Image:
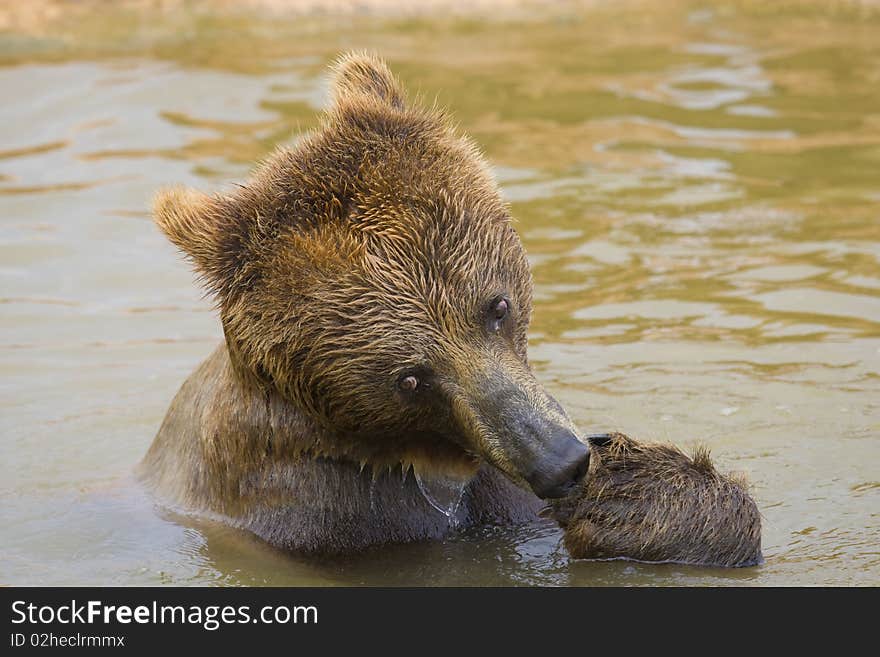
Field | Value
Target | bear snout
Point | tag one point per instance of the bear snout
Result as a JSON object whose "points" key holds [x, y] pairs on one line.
{"points": [[561, 466]]}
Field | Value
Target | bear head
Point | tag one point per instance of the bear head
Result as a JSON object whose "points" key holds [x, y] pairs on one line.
{"points": [[371, 277]]}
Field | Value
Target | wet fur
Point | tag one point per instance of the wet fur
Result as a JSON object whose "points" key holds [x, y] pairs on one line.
{"points": [[652, 502], [282, 491]]}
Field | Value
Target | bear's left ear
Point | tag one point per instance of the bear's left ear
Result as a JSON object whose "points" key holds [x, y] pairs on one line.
{"points": [[361, 74]]}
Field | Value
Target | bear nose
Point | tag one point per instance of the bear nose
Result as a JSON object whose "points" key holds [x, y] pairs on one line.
{"points": [[566, 460]]}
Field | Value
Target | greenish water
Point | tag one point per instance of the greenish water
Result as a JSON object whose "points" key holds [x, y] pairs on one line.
{"points": [[698, 189]]}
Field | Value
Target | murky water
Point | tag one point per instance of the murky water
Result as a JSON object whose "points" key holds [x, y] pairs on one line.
{"points": [[698, 189]]}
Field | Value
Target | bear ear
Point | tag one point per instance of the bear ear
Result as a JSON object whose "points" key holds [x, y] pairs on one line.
{"points": [[199, 226], [361, 74]]}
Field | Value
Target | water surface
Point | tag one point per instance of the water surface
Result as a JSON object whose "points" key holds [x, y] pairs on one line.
{"points": [[698, 189]]}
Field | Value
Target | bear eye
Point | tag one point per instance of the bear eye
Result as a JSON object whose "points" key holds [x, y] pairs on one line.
{"points": [[415, 380], [498, 311], [408, 383]]}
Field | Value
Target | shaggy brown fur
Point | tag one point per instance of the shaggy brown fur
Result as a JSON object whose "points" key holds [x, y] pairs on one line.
{"points": [[651, 502], [371, 250]]}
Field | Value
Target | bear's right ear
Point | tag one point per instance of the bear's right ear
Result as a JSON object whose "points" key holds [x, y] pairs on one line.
{"points": [[201, 227], [363, 75]]}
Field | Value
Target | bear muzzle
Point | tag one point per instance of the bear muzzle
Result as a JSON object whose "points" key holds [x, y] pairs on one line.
{"points": [[560, 463], [520, 429]]}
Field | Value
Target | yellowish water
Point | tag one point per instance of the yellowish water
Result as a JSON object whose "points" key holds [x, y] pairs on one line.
{"points": [[698, 188]]}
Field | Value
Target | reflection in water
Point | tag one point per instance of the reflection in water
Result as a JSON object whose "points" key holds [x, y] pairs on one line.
{"points": [[700, 209]]}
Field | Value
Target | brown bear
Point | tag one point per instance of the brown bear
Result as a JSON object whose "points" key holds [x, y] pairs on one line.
{"points": [[651, 502], [373, 385]]}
